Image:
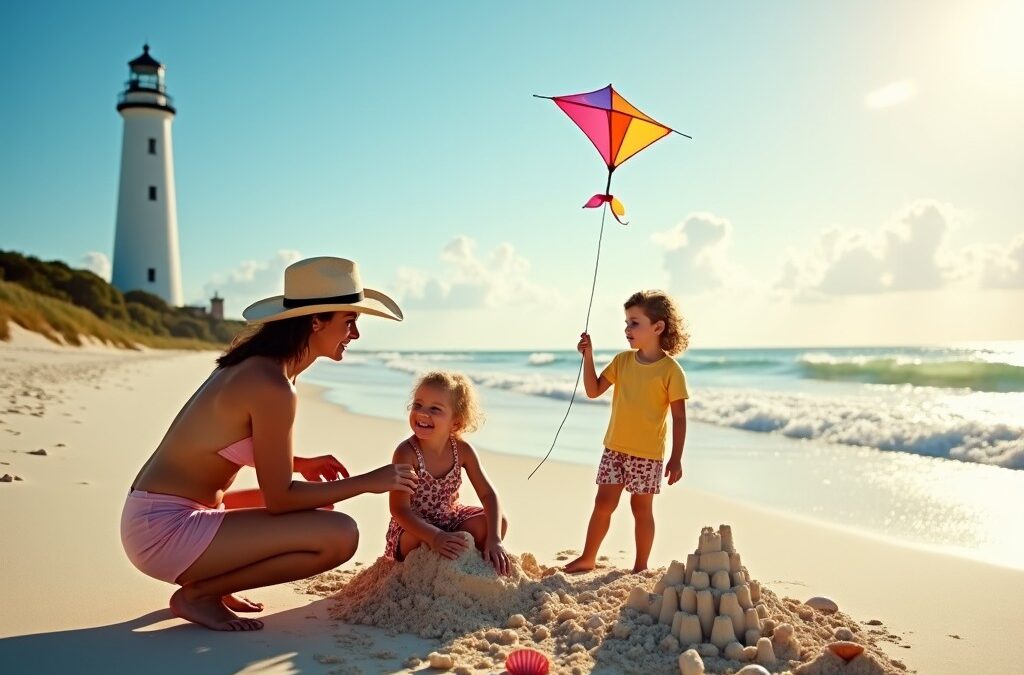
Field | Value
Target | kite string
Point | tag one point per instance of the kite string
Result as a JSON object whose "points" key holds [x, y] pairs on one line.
{"points": [[586, 328]]}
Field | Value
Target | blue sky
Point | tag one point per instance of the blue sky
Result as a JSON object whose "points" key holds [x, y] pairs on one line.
{"points": [[854, 174]]}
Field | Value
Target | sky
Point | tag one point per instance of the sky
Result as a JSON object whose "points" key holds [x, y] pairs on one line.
{"points": [[853, 178]]}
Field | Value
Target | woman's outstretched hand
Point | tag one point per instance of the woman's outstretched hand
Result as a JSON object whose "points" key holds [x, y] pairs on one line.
{"points": [[495, 554], [448, 544], [391, 478], [324, 467]]}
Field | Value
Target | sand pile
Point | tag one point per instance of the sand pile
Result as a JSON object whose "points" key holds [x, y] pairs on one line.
{"points": [[604, 621]]}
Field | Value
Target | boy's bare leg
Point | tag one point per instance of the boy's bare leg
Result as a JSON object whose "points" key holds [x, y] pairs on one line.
{"points": [[643, 514], [604, 505]]}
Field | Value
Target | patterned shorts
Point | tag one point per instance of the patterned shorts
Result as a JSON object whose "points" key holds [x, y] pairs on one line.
{"points": [[641, 476]]}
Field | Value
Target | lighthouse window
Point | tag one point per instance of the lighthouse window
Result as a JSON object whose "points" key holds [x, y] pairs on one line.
{"points": [[152, 146], [152, 193], [151, 275]]}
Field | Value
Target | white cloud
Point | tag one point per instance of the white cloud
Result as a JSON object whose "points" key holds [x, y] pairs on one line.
{"points": [[998, 266], [97, 263], [911, 252], [468, 280], [250, 281], [697, 253], [892, 94]]}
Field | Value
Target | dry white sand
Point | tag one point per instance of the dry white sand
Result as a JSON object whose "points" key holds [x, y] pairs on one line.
{"points": [[70, 601]]}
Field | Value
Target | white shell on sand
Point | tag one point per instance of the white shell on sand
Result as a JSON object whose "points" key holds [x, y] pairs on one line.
{"points": [[690, 663], [700, 580], [721, 580], [823, 604], [765, 653], [669, 606], [688, 600], [722, 632], [440, 661], [706, 611], [752, 669], [689, 630], [734, 651]]}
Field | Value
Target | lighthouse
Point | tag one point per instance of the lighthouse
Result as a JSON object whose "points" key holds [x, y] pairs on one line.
{"points": [[146, 238]]}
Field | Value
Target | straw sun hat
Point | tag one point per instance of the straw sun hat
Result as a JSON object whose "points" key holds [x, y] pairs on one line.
{"points": [[322, 284]]}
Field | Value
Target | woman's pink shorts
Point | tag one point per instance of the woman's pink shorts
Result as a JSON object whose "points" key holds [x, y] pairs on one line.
{"points": [[163, 534]]}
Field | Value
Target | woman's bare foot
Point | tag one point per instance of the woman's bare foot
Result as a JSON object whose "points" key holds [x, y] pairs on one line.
{"points": [[637, 569], [580, 564], [208, 611], [241, 604]]}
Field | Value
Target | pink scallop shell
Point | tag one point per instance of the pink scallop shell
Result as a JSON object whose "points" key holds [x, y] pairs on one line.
{"points": [[847, 651], [526, 662]]}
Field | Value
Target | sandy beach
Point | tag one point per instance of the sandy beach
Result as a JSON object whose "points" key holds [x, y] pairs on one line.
{"points": [[71, 602]]}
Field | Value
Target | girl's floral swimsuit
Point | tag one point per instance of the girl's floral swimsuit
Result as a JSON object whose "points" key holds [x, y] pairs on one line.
{"points": [[436, 500]]}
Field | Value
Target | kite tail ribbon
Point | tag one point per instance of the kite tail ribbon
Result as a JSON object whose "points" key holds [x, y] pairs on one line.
{"points": [[617, 208]]}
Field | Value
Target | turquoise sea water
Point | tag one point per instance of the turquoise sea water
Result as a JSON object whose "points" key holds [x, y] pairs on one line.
{"points": [[924, 445]]}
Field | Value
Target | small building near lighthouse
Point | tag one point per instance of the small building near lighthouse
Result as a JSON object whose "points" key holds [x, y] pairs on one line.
{"points": [[146, 240]]}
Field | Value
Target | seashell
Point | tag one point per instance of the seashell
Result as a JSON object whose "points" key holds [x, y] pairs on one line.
{"points": [[752, 669], [847, 651], [527, 662], [823, 604]]}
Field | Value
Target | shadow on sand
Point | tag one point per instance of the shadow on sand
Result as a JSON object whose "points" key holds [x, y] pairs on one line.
{"points": [[301, 640]]}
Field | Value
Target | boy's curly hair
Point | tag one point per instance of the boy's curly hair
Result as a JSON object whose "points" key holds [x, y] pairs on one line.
{"points": [[658, 306], [465, 404]]}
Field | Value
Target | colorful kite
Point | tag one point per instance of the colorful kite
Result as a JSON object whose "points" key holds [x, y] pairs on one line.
{"points": [[616, 128]]}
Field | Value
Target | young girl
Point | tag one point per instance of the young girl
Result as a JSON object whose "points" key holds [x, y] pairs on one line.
{"points": [[444, 407], [648, 383]]}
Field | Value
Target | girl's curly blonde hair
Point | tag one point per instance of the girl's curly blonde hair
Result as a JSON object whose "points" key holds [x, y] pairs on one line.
{"points": [[466, 409], [658, 306]]}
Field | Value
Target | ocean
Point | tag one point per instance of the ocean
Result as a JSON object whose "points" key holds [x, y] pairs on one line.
{"points": [[924, 445]]}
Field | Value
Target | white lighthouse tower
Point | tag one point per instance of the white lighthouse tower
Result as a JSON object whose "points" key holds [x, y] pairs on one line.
{"points": [[146, 241]]}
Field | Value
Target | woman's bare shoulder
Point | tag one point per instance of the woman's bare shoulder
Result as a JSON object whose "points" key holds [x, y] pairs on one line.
{"points": [[260, 376]]}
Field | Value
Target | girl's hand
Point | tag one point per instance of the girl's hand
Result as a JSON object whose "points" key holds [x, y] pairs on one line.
{"points": [[584, 346], [325, 467], [448, 544], [391, 478], [674, 471], [495, 554]]}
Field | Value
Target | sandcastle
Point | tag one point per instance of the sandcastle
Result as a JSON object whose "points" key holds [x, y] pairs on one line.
{"points": [[714, 608]]}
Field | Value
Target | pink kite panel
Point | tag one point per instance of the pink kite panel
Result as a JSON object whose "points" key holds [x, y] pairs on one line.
{"points": [[594, 123]]}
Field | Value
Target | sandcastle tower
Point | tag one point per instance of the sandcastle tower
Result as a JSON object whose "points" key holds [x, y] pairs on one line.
{"points": [[146, 239], [713, 606]]}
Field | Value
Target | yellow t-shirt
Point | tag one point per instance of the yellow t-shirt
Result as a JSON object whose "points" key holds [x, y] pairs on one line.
{"points": [[640, 403]]}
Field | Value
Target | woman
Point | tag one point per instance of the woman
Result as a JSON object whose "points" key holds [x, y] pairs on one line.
{"points": [[180, 524]]}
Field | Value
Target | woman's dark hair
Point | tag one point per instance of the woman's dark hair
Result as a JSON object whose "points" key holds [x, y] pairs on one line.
{"points": [[282, 340]]}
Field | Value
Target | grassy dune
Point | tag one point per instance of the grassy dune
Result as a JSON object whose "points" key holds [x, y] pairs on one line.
{"points": [[64, 323]]}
